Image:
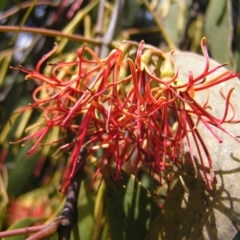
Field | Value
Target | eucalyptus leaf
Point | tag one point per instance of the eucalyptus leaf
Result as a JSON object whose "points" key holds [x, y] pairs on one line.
{"points": [[21, 174], [3, 3], [218, 27], [201, 214], [130, 9], [237, 236], [170, 21], [130, 208], [85, 211]]}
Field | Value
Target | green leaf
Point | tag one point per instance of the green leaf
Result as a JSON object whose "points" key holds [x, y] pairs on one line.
{"points": [[219, 30], [174, 18], [236, 50], [237, 236], [85, 211], [130, 9], [22, 173], [130, 208], [170, 23], [3, 3]]}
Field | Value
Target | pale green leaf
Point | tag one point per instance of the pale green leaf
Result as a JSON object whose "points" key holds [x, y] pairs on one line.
{"points": [[219, 31], [130, 209]]}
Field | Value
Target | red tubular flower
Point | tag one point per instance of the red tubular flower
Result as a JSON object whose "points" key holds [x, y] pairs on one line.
{"points": [[138, 113]]}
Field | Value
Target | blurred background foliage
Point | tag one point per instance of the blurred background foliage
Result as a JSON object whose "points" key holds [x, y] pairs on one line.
{"points": [[29, 184]]}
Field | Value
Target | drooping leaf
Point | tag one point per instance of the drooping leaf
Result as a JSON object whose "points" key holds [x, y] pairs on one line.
{"points": [[237, 236], [130, 209], [85, 211], [170, 21], [22, 173], [218, 27]]}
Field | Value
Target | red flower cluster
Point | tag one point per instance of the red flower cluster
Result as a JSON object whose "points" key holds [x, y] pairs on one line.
{"points": [[129, 109], [26, 207]]}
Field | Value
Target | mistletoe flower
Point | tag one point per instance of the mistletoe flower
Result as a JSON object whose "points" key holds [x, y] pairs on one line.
{"points": [[130, 110]]}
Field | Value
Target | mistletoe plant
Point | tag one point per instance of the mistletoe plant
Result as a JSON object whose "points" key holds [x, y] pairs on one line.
{"points": [[126, 112], [129, 110]]}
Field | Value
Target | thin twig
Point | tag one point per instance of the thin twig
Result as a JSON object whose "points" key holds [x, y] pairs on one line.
{"points": [[99, 24], [49, 32], [24, 5], [48, 230], [22, 231], [160, 25], [100, 17], [25, 17], [111, 31]]}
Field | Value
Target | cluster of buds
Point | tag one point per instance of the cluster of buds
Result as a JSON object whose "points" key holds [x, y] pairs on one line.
{"points": [[130, 110]]}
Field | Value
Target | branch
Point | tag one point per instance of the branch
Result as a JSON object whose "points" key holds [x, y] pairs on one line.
{"points": [[22, 231], [50, 32], [110, 33], [47, 231], [69, 213], [20, 6]]}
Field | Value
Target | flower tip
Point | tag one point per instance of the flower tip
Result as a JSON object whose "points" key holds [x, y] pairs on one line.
{"points": [[15, 68], [51, 64], [30, 151], [61, 190], [203, 41], [225, 64]]}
